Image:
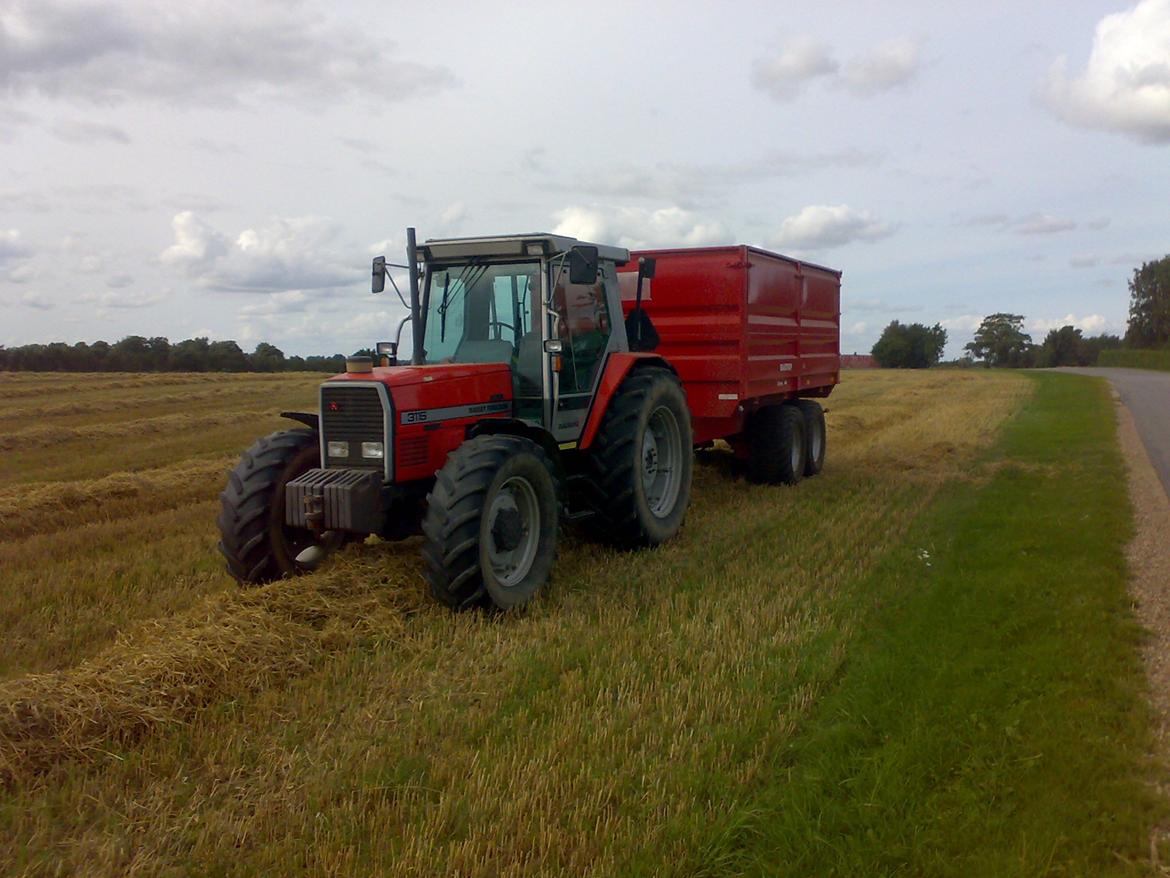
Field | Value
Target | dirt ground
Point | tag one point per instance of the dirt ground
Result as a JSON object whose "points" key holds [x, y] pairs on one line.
{"points": [[1149, 560]]}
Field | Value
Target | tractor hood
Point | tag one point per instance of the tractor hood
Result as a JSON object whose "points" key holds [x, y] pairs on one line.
{"points": [[424, 389], [405, 376]]}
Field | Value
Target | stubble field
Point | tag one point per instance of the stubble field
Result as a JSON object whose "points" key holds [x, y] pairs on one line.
{"points": [[157, 719]]}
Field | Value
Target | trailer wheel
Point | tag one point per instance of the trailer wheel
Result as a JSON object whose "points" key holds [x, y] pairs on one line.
{"points": [[776, 445], [491, 524], [258, 546], [642, 460], [815, 435]]}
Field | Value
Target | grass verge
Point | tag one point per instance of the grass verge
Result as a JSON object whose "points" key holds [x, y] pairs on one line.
{"points": [[990, 717]]}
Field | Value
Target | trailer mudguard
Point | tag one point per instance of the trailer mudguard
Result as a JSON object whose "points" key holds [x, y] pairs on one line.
{"points": [[617, 367]]}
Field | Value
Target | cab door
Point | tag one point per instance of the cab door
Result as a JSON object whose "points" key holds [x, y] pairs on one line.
{"points": [[584, 325]]}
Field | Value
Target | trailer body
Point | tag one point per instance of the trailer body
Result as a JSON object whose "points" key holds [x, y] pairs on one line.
{"points": [[743, 327]]}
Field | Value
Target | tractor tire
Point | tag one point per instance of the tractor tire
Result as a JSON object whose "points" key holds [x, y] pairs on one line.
{"points": [[254, 539], [776, 446], [642, 461], [814, 434], [490, 527]]}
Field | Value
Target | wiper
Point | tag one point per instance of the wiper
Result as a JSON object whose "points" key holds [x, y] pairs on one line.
{"points": [[467, 281]]}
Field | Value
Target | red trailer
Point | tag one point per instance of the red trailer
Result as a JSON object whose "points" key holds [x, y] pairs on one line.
{"points": [[742, 327], [549, 380]]}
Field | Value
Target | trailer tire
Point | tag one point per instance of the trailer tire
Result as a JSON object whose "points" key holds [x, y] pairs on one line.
{"points": [[815, 435], [776, 445], [490, 526], [254, 539], [640, 502]]}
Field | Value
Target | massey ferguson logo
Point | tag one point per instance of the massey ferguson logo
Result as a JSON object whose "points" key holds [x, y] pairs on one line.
{"points": [[334, 406]]}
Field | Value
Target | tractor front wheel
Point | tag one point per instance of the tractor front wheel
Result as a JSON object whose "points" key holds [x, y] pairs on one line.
{"points": [[642, 460], [258, 546], [491, 524]]}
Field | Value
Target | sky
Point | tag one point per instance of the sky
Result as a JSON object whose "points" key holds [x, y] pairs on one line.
{"points": [[228, 169]]}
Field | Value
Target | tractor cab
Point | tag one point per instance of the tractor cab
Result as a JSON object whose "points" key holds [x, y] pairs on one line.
{"points": [[547, 306]]}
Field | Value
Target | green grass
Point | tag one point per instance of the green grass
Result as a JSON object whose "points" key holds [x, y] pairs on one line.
{"points": [[990, 719], [1140, 359]]}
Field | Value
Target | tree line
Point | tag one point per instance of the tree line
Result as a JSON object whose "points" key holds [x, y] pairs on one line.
{"points": [[1001, 340], [136, 353]]}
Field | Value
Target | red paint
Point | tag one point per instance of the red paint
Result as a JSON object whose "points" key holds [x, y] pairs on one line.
{"points": [[743, 327], [617, 366], [415, 388]]}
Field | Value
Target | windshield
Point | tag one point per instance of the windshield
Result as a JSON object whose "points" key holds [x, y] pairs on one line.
{"points": [[481, 313]]}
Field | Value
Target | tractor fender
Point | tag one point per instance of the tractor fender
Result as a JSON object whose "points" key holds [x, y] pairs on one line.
{"points": [[617, 367], [514, 427], [310, 420]]}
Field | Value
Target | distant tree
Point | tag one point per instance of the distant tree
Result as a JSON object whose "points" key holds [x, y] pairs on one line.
{"points": [[267, 358], [189, 355], [1063, 347], [1149, 305], [226, 356], [910, 346], [1094, 344], [1000, 340]]}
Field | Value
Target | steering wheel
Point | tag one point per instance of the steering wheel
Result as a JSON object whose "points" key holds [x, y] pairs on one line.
{"points": [[492, 323]]}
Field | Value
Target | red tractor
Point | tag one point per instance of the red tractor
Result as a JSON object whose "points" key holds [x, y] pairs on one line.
{"points": [[549, 380]]}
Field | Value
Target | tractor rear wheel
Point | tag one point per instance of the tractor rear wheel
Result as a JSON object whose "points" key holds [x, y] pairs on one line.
{"points": [[491, 524], [815, 435], [776, 445], [258, 546], [642, 460]]}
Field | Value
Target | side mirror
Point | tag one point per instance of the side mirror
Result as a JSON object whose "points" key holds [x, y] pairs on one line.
{"points": [[378, 281], [583, 265], [646, 267]]}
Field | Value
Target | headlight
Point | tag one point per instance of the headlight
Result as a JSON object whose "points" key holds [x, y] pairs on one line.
{"points": [[372, 450], [337, 449]]}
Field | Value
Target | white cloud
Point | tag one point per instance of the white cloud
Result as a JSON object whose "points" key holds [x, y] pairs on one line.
{"points": [[12, 246], [1088, 324], [22, 273], [284, 254], [887, 66], [1044, 224], [211, 52], [1083, 261], [111, 299], [37, 300], [962, 323], [821, 226], [638, 228], [796, 62], [1125, 86], [83, 132]]}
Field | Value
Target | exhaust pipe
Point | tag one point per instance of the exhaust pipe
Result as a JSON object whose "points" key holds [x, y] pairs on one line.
{"points": [[416, 355]]}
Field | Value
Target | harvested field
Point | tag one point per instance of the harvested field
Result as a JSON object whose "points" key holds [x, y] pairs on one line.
{"points": [[155, 718]]}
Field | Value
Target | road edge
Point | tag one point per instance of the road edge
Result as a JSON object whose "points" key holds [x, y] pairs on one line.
{"points": [[1148, 556]]}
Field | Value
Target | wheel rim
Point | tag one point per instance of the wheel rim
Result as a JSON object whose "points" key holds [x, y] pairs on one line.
{"points": [[661, 461], [816, 440], [798, 452], [513, 531]]}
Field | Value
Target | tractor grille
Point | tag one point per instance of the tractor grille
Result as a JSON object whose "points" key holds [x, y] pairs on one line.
{"points": [[354, 415]]}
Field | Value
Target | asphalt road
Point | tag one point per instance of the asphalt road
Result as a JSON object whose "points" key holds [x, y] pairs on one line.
{"points": [[1147, 396]]}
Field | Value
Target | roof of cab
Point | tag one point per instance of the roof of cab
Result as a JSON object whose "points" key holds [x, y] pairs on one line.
{"points": [[514, 245]]}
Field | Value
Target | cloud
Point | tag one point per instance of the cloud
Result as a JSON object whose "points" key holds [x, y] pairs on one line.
{"points": [[1044, 224], [111, 299], [887, 66], [37, 300], [209, 52], [799, 61], [639, 228], [1090, 323], [821, 226], [1083, 261], [284, 254], [117, 281], [81, 131], [783, 74], [1125, 86], [12, 246], [962, 323]]}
